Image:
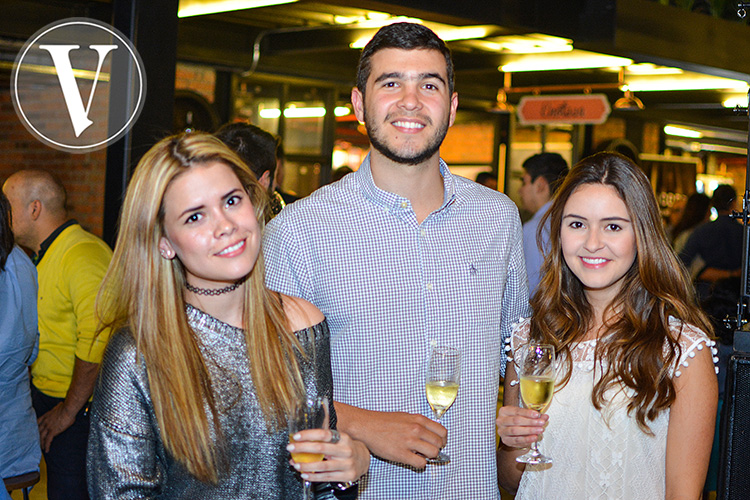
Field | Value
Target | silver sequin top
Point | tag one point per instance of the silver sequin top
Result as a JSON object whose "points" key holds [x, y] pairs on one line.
{"points": [[126, 456]]}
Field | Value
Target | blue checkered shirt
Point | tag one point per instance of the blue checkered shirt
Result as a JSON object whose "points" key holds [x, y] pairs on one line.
{"points": [[390, 287]]}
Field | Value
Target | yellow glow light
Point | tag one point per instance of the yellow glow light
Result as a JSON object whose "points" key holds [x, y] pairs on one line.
{"points": [[465, 33], [682, 132], [270, 113], [720, 148], [189, 8], [447, 34], [533, 43], [348, 19], [563, 61], [650, 69], [734, 101], [307, 112], [51, 70], [703, 82]]}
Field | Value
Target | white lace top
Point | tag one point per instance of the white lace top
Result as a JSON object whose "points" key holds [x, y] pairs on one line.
{"points": [[592, 459]]}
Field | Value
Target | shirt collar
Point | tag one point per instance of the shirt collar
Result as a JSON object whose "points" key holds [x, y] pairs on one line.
{"points": [[51, 238], [542, 210], [394, 202]]}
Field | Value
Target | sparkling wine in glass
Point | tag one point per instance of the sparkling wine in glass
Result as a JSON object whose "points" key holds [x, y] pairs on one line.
{"points": [[443, 374], [311, 413], [536, 370]]}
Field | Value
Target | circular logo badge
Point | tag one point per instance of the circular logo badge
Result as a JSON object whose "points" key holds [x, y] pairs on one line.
{"points": [[78, 84]]}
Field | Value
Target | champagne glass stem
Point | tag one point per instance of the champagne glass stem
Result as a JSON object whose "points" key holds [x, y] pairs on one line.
{"points": [[535, 448], [307, 491], [442, 457]]}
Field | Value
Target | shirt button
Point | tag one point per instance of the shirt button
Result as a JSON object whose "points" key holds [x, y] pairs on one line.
{"points": [[404, 204], [423, 232], [429, 287]]}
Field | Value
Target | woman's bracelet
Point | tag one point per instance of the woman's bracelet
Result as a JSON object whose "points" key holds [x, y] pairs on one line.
{"points": [[346, 485]]}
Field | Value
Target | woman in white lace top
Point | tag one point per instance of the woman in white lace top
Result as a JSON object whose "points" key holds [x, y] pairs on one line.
{"points": [[635, 398]]}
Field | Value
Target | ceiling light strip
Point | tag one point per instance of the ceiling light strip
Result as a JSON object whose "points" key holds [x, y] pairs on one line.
{"points": [[190, 8], [558, 63], [682, 132]]}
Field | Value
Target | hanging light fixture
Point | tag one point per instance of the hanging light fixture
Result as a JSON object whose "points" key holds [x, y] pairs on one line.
{"points": [[502, 105], [628, 102]]}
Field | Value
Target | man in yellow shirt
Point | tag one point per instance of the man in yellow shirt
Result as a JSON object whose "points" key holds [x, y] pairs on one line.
{"points": [[71, 264]]}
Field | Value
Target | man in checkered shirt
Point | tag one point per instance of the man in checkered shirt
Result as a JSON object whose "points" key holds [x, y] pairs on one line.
{"points": [[401, 255]]}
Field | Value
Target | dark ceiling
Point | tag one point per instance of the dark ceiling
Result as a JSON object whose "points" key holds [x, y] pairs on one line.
{"points": [[301, 42]]}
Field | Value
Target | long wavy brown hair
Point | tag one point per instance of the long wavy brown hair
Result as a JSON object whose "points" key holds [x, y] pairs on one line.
{"points": [[144, 292], [631, 350]]}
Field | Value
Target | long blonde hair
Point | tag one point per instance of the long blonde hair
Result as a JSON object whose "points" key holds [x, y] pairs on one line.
{"points": [[654, 288], [144, 292]]}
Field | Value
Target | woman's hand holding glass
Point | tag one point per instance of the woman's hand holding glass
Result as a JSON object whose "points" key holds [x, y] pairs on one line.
{"points": [[321, 454], [345, 460], [520, 427]]}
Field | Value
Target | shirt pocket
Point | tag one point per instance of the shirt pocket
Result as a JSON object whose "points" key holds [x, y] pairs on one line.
{"points": [[484, 283]]}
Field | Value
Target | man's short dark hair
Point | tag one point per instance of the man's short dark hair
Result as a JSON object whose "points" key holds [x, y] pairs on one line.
{"points": [[407, 36], [483, 177], [253, 145], [723, 198], [551, 166]]}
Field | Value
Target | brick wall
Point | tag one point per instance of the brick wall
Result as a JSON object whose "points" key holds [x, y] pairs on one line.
{"points": [[199, 79], [81, 174]]}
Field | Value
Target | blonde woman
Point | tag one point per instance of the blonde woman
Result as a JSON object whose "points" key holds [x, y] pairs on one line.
{"points": [[196, 386]]}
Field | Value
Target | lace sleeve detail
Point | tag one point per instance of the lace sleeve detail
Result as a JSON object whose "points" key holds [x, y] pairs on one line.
{"points": [[519, 336], [692, 340]]}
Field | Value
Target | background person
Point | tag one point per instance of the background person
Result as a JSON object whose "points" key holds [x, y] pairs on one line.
{"points": [[257, 148], [542, 175], [278, 180], [673, 216], [71, 263], [340, 172], [635, 399], [697, 211], [19, 342], [487, 179], [400, 255], [718, 243], [207, 364]]}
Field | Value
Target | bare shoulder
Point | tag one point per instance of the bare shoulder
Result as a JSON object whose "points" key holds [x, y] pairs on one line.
{"points": [[300, 313]]}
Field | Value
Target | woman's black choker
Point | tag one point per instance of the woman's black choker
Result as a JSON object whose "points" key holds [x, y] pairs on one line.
{"points": [[213, 291]]}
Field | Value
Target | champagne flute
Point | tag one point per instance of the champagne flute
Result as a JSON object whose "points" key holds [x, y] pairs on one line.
{"points": [[536, 370], [441, 387], [311, 413]]}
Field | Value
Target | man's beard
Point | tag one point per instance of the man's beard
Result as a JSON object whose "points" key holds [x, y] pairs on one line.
{"points": [[412, 158]]}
